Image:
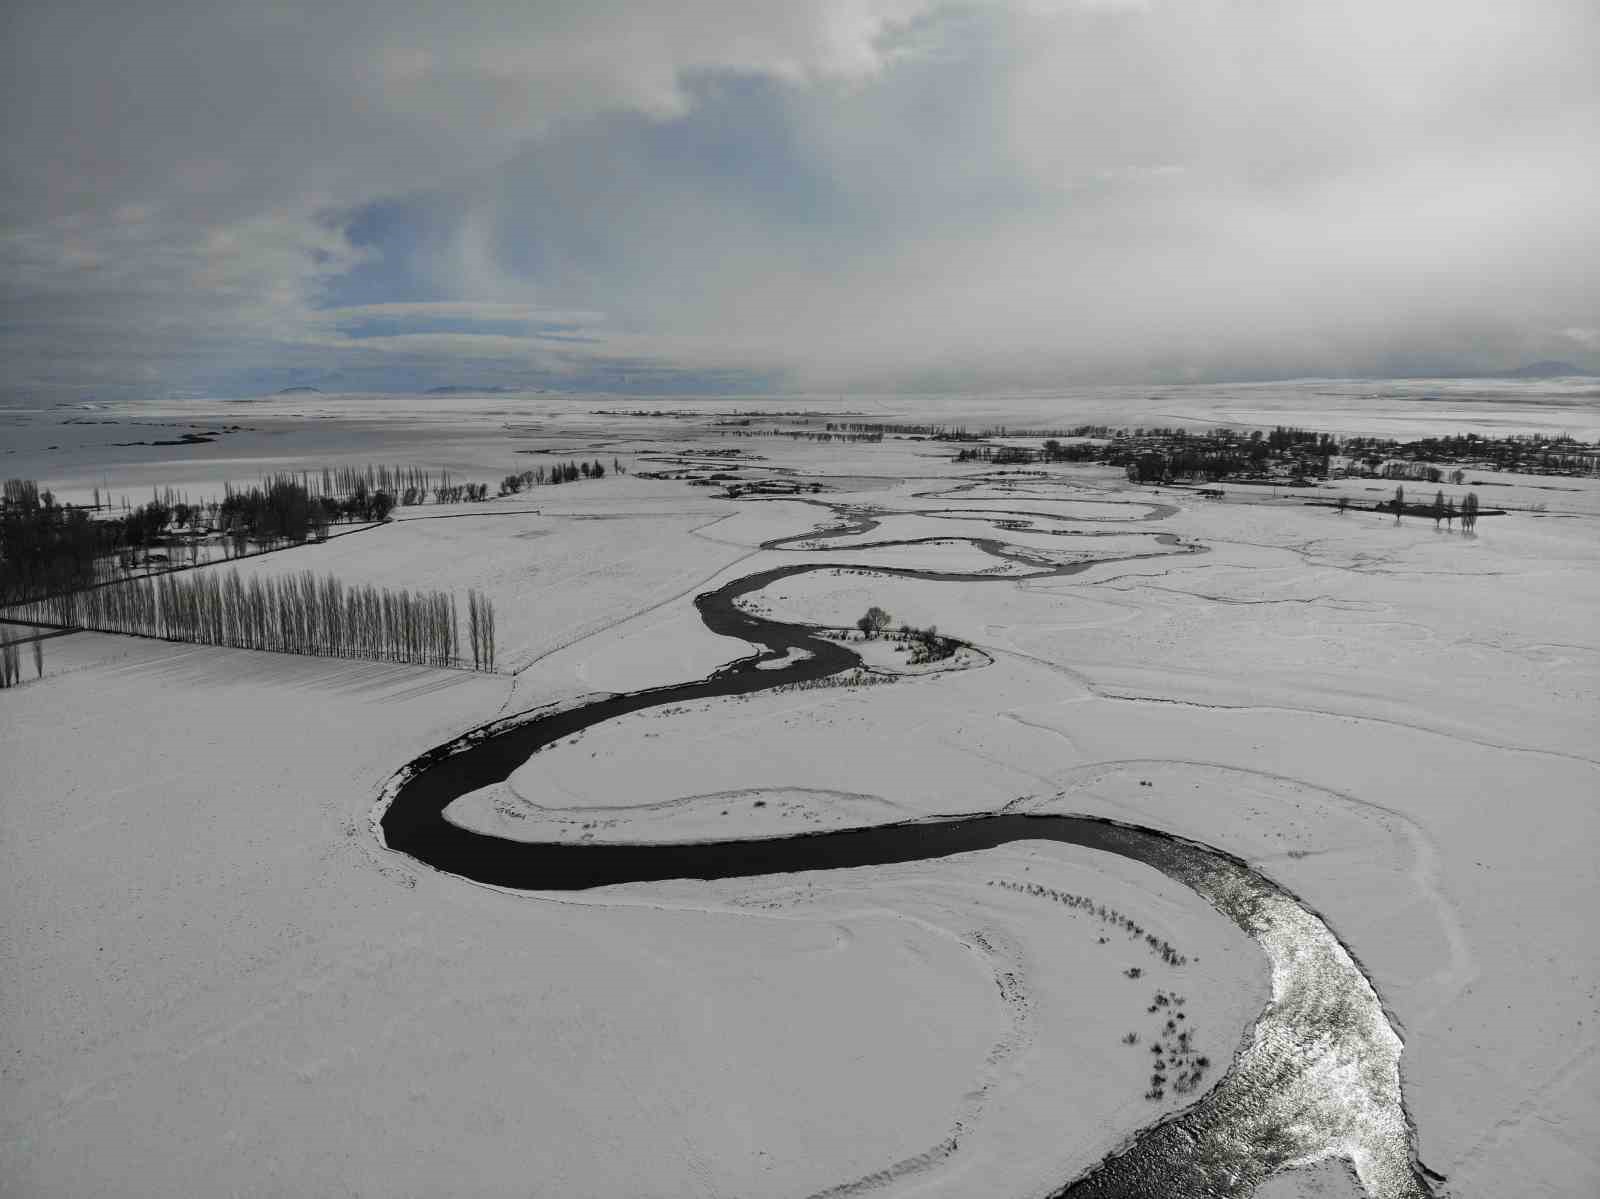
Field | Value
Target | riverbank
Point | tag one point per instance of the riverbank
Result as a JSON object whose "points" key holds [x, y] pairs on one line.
{"points": [[210, 946]]}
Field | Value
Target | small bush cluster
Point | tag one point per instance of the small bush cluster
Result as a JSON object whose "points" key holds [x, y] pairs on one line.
{"points": [[855, 678], [1175, 1061], [1176, 1065], [1157, 945], [925, 645]]}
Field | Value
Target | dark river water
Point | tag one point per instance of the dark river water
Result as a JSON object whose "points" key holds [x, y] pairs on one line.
{"points": [[1317, 1075]]}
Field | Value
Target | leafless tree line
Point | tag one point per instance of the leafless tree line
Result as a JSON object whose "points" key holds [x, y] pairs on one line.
{"points": [[295, 614], [480, 630], [407, 484], [351, 479], [11, 662]]}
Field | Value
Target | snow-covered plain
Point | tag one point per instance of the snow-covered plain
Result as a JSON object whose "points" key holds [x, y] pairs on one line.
{"points": [[216, 981]]}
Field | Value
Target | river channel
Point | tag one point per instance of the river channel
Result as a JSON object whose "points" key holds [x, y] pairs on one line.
{"points": [[1316, 1076]]}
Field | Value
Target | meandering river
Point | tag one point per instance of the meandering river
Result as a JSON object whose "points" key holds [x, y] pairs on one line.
{"points": [[1318, 1074]]}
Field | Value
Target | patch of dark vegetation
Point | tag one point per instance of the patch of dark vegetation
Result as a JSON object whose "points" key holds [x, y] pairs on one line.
{"points": [[47, 546], [186, 439], [852, 678], [924, 646], [568, 472], [1286, 455], [1175, 1063], [1083, 903], [770, 487], [690, 413], [805, 434]]}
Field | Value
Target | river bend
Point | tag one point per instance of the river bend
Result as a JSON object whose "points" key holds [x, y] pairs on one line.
{"points": [[1317, 1075]]}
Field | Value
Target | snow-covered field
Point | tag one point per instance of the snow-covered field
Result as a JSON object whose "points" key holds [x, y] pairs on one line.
{"points": [[216, 981]]}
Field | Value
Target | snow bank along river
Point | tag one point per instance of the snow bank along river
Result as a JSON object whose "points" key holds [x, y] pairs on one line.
{"points": [[1317, 1076]]}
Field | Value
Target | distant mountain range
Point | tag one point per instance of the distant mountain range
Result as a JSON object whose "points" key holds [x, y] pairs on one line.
{"points": [[452, 390], [1549, 370]]}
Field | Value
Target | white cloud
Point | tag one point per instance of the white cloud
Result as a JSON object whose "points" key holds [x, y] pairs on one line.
{"points": [[988, 190], [470, 310]]}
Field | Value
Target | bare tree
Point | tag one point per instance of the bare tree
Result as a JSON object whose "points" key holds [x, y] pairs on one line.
{"points": [[486, 621], [873, 622], [297, 614]]}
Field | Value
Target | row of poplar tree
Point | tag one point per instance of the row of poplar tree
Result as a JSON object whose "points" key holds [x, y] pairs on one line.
{"points": [[295, 614], [11, 662]]}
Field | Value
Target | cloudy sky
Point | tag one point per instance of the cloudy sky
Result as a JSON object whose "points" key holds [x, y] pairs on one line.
{"points": [[229, 197]]}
